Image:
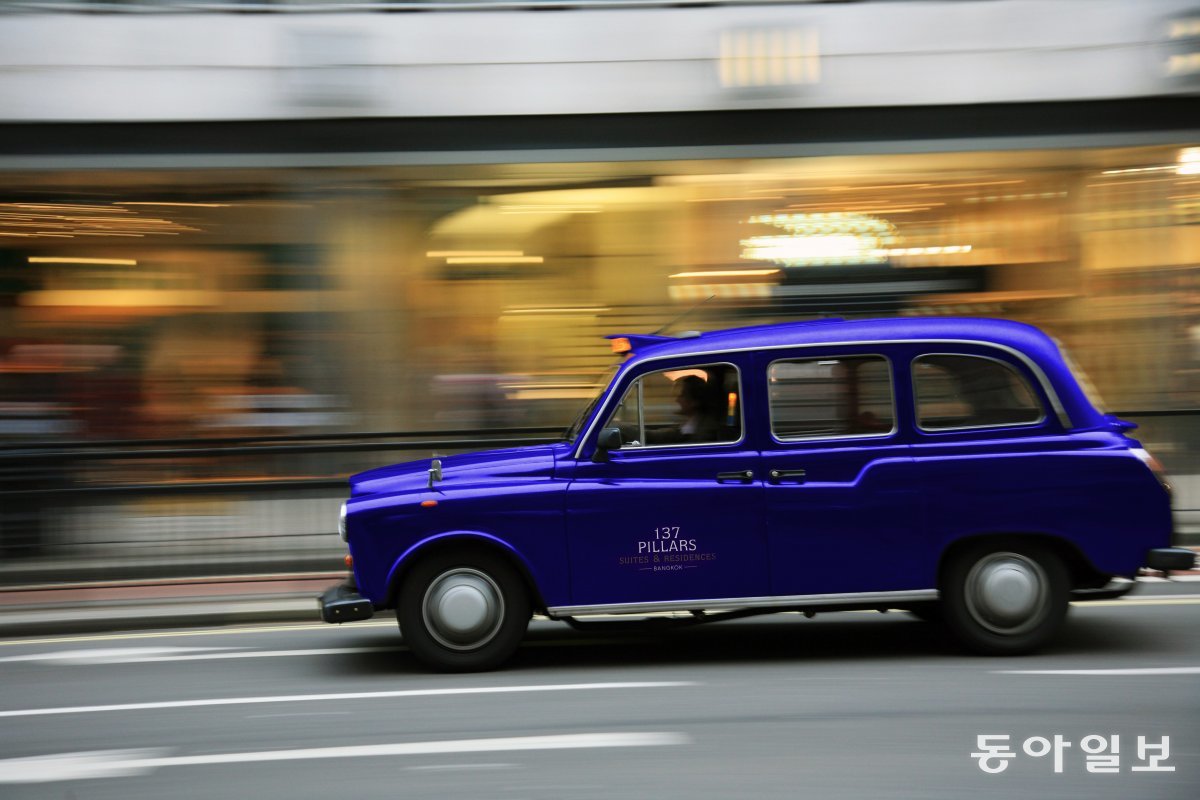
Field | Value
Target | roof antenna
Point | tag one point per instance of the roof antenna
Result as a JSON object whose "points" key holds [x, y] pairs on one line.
{"points": [[684, 314]]}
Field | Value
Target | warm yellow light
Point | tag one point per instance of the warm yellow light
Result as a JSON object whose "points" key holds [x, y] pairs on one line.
{"points": [[725, 273], [473, 253], [560, 310], [184, 205], [951, 249], [1185, 28], [122, 262], [1137, 170], [118, 298], [551, 394], [1189, 161], [552, 209], [66, 207], [495, 260], [704, 291], [621, 345], [675, 374]]}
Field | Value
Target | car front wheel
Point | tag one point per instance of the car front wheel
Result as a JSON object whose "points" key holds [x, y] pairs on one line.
{"points": [[463, 613], [1005, 600]]}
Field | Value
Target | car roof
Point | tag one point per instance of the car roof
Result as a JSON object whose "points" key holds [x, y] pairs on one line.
{"points": [[1024, 339], [831, 330]]}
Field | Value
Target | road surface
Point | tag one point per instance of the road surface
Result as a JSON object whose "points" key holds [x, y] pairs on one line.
{"points": [[849, 705]]}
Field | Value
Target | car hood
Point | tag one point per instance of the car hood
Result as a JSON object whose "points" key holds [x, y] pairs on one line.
{"points": [[511, 464]]}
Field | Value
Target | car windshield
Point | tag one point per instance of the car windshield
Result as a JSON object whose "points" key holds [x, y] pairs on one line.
{"points": [[602, 384]]}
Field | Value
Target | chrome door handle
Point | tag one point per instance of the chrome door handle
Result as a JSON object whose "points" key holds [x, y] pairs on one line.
{"points": [[779, 475], [743, 476]]}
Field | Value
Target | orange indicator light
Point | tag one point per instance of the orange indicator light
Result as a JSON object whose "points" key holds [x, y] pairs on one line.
{"points": [[349, 559], [428, 503]]}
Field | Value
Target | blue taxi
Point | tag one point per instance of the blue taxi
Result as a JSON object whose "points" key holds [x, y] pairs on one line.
{"points": [[953, 467]]}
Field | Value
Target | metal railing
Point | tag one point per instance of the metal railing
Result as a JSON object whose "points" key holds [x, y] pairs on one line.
{"points": [[169, 508], [180, 507]]}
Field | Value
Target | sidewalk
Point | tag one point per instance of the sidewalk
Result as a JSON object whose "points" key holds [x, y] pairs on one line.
{"points": [[107, 606], [169, 603]]}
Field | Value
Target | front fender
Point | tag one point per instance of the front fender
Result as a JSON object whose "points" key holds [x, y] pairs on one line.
{"points": [[456, 540]]}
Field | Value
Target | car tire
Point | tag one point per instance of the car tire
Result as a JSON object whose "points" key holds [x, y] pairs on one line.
{"points": [[1005, 599], [463, 612]]}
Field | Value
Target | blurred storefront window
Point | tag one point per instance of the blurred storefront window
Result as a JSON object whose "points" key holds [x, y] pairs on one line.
{"points": [[142, 304]]}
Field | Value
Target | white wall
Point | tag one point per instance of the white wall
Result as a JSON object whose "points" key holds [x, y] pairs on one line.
{"points": [[221, 66]]}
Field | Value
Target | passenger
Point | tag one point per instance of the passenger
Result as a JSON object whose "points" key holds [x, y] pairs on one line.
{"points": [[701, 423]]}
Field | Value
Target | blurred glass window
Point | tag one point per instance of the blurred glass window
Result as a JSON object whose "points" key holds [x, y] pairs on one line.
{"points": [[848, 396], [959, 391]]}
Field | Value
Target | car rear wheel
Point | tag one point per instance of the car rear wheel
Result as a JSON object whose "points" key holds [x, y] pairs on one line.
{"points": [[463, 613], [1005, 599]]}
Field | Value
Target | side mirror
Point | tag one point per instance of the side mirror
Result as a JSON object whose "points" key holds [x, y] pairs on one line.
{"points": [[609, 439]]}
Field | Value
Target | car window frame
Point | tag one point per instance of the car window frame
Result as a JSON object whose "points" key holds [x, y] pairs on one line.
{"points": [[766, 375], [585, 446], [637, 380], [1032, 385]]}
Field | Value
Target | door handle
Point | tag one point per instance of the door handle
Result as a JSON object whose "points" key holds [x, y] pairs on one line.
{"points": [[780, 475], [743, 476]]}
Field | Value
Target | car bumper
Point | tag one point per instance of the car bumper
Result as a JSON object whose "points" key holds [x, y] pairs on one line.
{"points": [[1167, 558], [343, 603]]}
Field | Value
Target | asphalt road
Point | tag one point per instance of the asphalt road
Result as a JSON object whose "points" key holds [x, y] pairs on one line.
{"points": [[850, 705]]}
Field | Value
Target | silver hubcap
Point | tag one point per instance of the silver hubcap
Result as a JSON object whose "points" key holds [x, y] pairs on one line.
{"points": [[1006, 593], [463, 609]]}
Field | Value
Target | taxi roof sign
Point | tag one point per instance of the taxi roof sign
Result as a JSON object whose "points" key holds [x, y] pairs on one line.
{"points": [[626, 343]]}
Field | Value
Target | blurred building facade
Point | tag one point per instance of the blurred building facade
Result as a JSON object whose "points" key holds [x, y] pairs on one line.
{"points": [[311, 219]]}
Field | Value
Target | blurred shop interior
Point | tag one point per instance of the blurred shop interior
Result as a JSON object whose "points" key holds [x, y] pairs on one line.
{"points": [[212, 303]]}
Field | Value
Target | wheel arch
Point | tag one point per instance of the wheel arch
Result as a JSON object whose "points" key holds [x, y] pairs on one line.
{"points": [[1081, 573], [461, 541]]}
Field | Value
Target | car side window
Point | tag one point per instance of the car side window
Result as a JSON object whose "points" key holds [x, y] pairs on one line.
{"points": [[842, 396], [682, 406], [962, 391]]}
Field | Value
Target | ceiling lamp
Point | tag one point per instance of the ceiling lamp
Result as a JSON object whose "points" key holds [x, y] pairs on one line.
{"points": [[821, 240]]}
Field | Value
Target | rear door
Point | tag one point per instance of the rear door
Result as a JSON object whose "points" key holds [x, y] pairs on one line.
{"points": [[842, 501]]}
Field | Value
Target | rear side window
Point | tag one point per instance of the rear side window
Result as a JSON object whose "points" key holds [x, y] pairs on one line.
{"points": [[960, 391], [844, 396]]}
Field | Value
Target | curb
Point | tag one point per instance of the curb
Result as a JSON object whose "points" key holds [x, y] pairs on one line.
{"points": [[159, 615]]}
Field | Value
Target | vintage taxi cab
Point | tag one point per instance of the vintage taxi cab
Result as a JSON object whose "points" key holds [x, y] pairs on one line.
{"points": [[953, 467]]}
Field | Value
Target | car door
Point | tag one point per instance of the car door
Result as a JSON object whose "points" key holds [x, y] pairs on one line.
{"points": [[992, 452], [674, 514], [842, 502]]}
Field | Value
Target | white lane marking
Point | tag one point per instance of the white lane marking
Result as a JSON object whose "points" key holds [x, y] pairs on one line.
{"points": [[148, 655], [124, 763], [1130, 602], [304, 698], [301, 714], [456, 767], [77, 766], [125, 655], [1130, 671]]}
